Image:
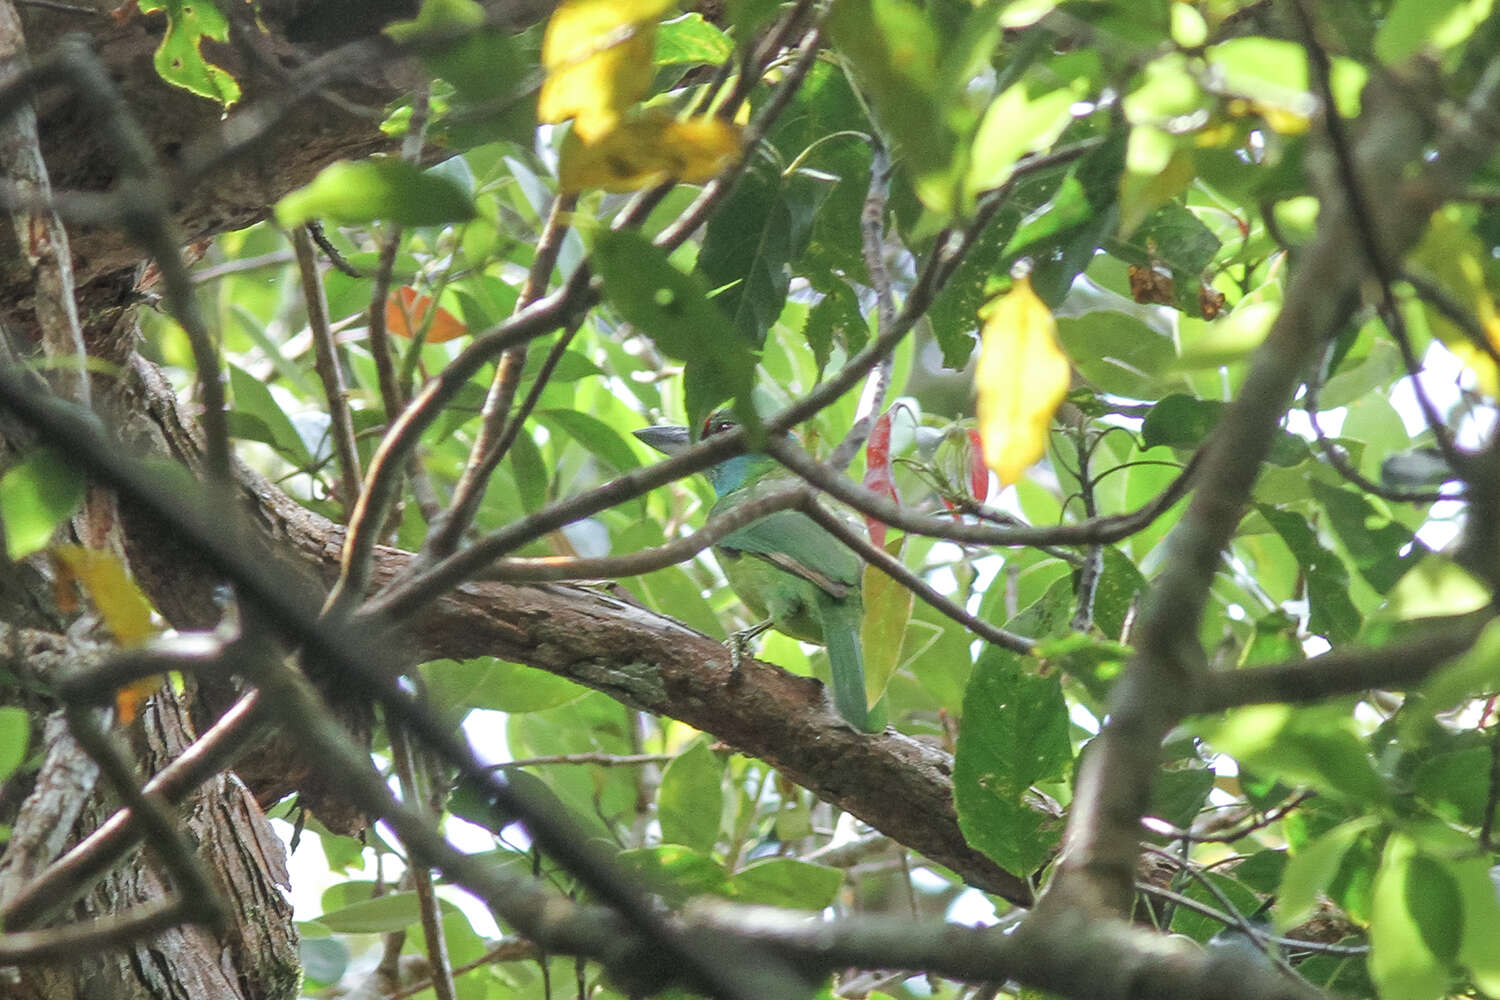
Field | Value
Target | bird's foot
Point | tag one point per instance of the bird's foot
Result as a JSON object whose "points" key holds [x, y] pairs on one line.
{"points": [[739, 644]]}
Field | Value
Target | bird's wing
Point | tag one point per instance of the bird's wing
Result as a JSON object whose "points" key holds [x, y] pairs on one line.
{"points": [[794, 542]]}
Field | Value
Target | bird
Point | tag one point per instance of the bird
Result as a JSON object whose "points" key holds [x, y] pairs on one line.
{"points": [[786, 568]]}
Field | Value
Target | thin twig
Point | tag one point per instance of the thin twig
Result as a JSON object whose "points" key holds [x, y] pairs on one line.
{"points": [[496, 421], [330, 371], [40, 236], [892, 567], [233, 734], [872, 243], [419, 874]]}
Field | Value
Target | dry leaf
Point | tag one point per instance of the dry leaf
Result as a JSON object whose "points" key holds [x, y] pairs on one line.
{"points": [[406, 312]]}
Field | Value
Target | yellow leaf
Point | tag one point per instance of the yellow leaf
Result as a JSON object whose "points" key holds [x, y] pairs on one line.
{"points": [[125, 610], [597, 55], [1022, 379], [643, 151]]}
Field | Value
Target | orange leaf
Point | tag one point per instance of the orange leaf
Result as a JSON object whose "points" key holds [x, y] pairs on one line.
{"points": [[406, 312]]}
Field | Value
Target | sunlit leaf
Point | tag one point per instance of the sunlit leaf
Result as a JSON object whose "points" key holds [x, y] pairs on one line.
{"points": [[15, 734], [597, 54], [688, 802], [37, 495], [179, 58], [379, 188], [1022, 379], [1405, 923]]}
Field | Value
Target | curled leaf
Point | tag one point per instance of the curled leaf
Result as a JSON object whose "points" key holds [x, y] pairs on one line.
{"points": [[1022, 379]]}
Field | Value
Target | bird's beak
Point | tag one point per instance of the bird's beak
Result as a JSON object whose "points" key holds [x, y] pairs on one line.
{"points": [[669, 440]]}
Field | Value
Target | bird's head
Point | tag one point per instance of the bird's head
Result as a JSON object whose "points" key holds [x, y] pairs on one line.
{"points": [[672, 439]]}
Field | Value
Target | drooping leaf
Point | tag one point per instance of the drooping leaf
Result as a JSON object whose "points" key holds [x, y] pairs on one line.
{"points": [[1405, 924], [888, 607], [755, 237], [892, 49], [1022, 379]]}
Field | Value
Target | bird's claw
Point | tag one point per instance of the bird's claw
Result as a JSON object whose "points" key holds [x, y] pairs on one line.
{"points": [[739, 644]]}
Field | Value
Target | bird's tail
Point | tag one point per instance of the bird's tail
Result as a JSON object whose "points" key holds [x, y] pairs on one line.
{"points": [[841, 625]]}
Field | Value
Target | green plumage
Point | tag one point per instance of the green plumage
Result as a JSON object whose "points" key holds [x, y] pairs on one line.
{"points": [[788, 569]]}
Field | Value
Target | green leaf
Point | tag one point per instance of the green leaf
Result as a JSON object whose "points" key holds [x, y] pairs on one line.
{"points": [[753, 238], [1456, 784], [1067, 208], [15, 734], [675, 872], [1014, 734], [179, 59], [1313, 746], [391, 912], [253, 399], [689, 40], [673, 309], [436, 21], [377, 188], [892, 48], [837, 317], [602, 440], [1410, 26], [1414, 931], [1312, 869], [511, 687], [529, 471], [36, 496], [1016, 123], [690, 799], [787, 882], [1331, 612], [1373, 540], [1481, 921]]}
